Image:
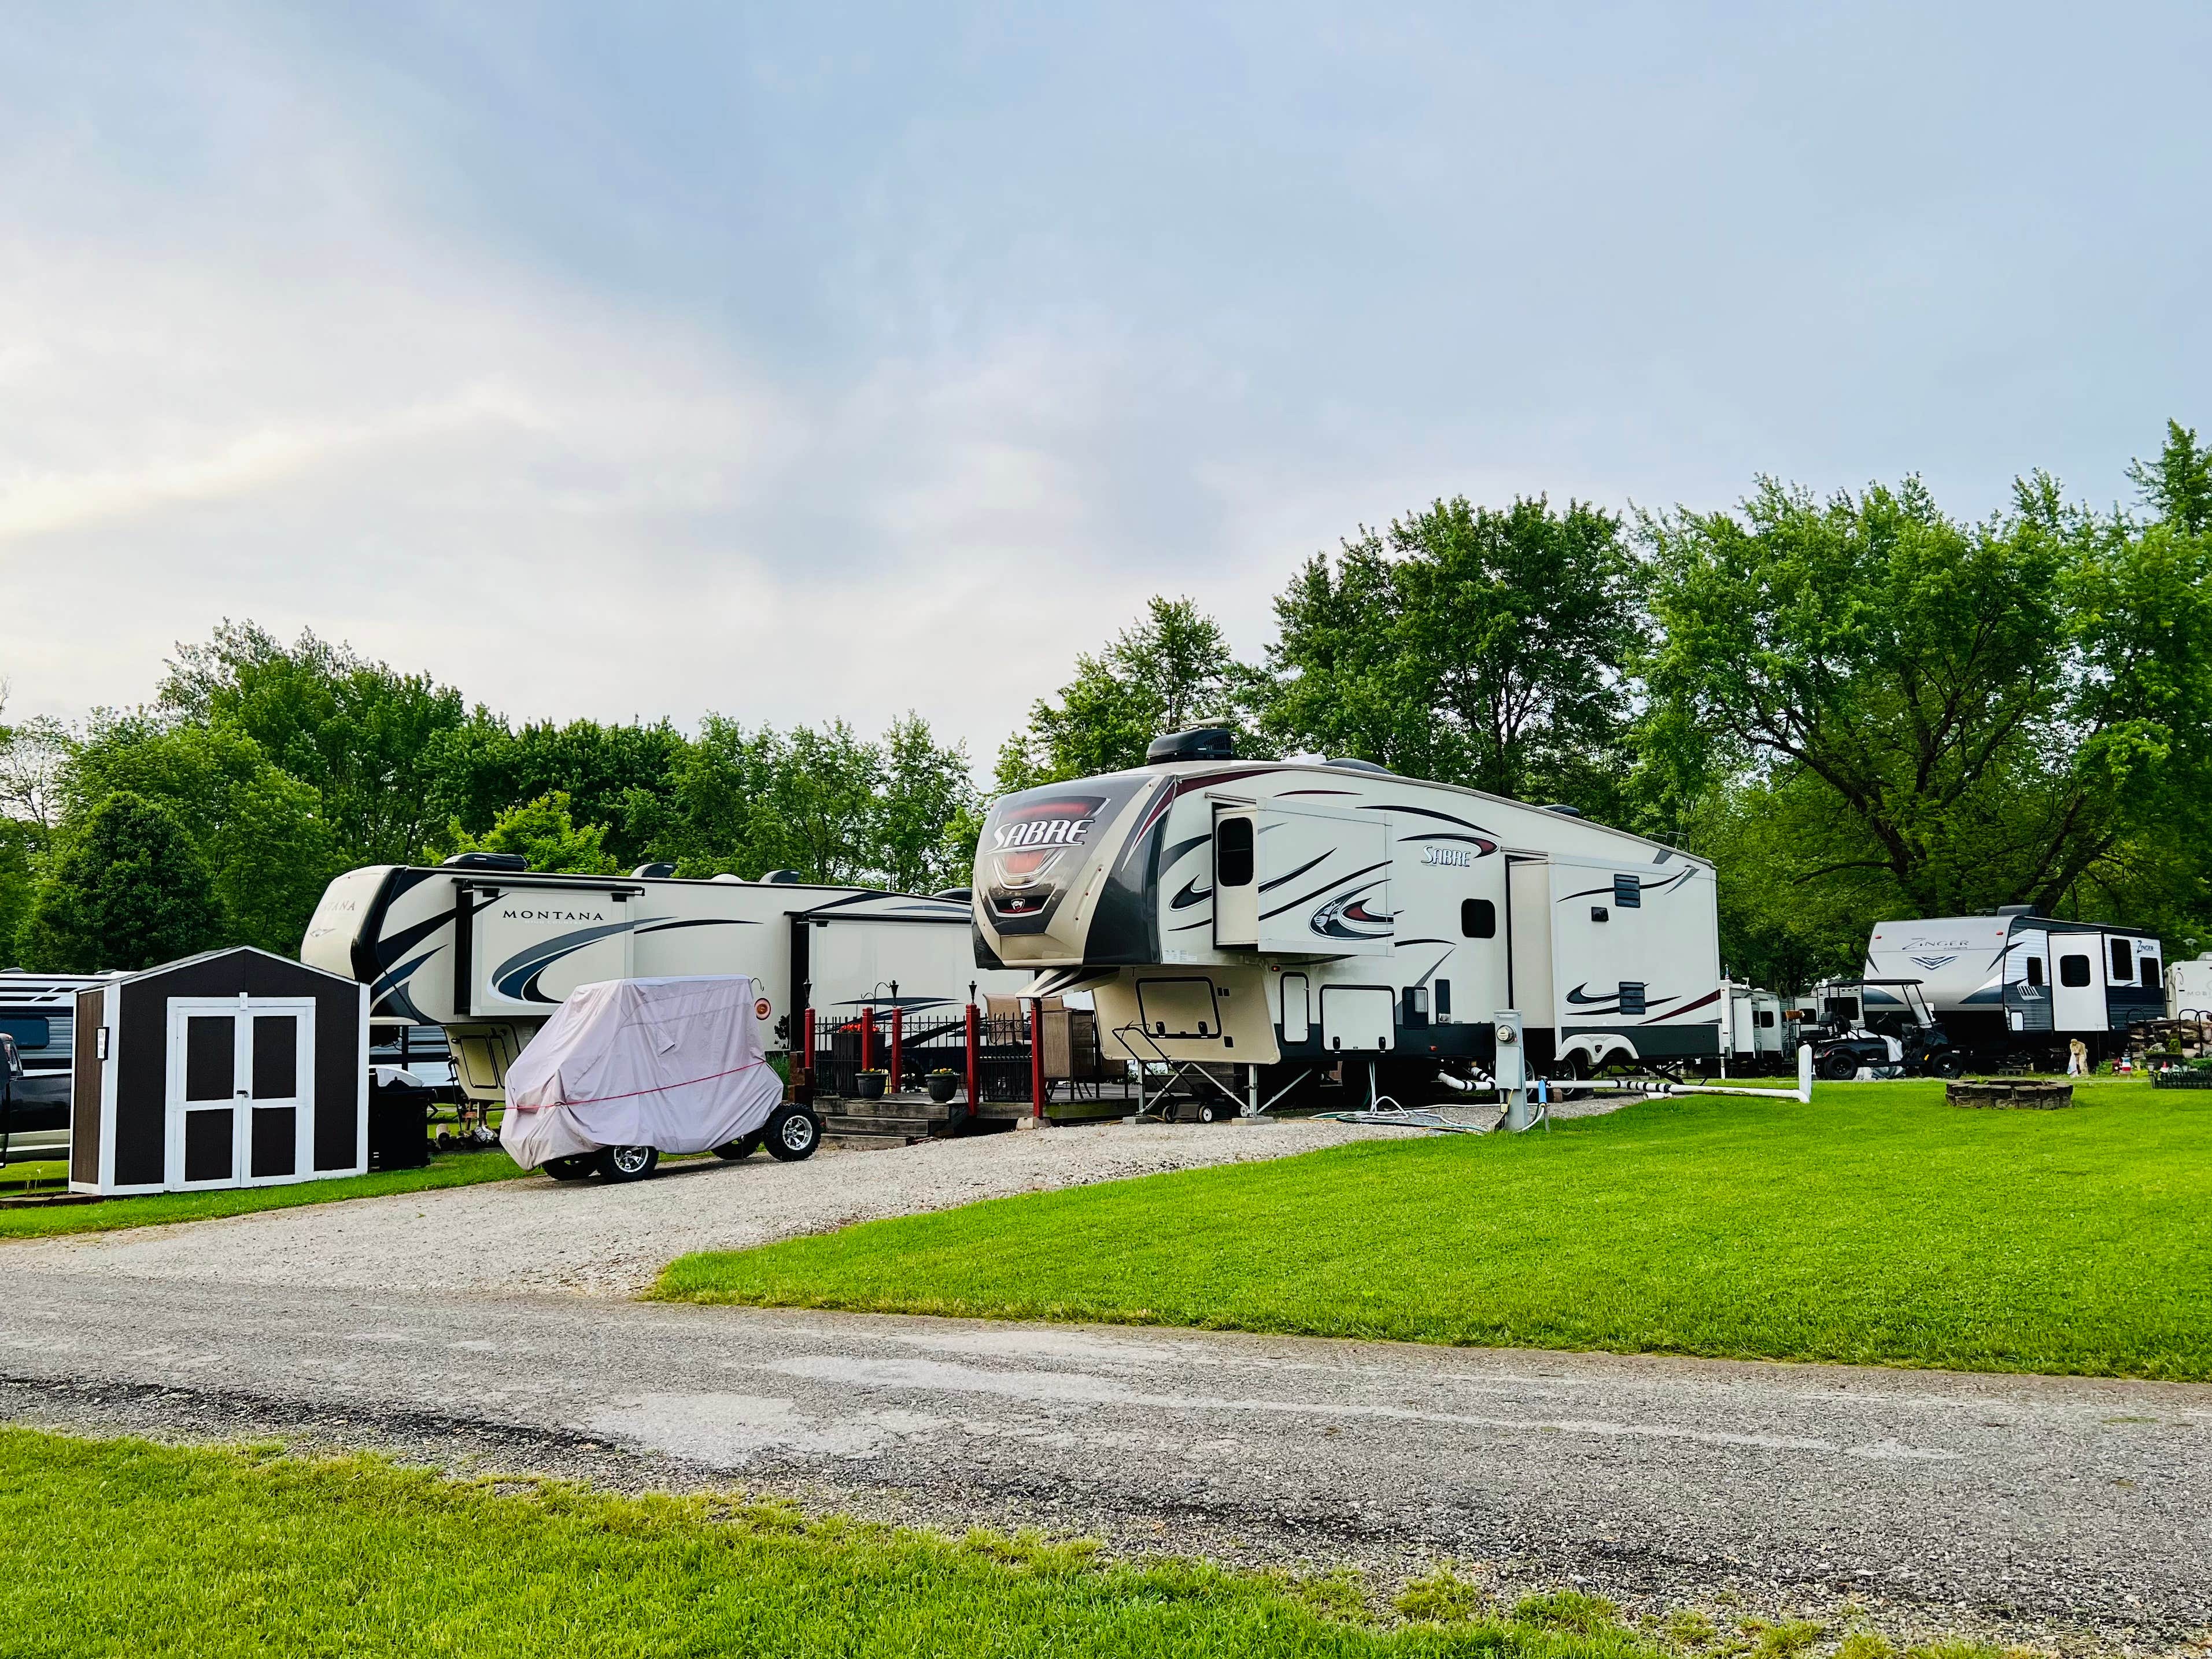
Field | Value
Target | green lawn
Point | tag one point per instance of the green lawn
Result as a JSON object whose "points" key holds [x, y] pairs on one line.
{"points": [[1876, 1224], [451, 1169], [110, 1547]]}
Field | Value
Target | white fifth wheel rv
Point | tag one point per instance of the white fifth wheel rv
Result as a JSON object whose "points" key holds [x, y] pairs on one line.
{"points": [[1306, 915], [488, 950], [2016, 980]]}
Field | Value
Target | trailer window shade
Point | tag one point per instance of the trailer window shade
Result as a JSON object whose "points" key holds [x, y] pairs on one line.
{"points": [[2035, 971], [2074, 972], [2149, 973], [1232, 853], [1767, 1018], [1632, 993], [2123, 961], [1627, 892], [1477, 919]]}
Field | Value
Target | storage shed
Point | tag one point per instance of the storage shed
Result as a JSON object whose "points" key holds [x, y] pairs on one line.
{"points": [[233, 1068]]}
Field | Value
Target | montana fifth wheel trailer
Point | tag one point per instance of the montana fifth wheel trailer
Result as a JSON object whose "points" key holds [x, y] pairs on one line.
{"points": [[2189, 989], [1272, 913], [2016, 980], [488, 952]]}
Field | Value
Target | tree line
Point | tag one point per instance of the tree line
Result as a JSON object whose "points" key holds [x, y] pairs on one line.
{"points": [[1857, 705]]}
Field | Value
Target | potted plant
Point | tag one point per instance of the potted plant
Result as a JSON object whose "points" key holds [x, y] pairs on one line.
{"points": [[943, 1082], [871, 1085]]}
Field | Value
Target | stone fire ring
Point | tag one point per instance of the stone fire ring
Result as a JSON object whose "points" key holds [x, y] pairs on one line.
{"points": [[2039, 1094]]}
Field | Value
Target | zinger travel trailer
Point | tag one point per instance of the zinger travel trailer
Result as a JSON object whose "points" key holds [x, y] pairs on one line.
{"points": [[2016, 980], [1305, 916], [488, 950]]}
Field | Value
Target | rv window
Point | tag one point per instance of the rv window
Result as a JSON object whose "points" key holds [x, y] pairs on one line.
{"points": [[2123, 962], [1477, 919], [2035, 971], [2074, 971], [1766, 1016], [1632, 996], [1627, 892], [1232, 853], [1443, 997], [2149, 966]]}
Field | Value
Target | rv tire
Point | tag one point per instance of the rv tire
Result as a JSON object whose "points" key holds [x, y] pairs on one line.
{"points": [[792, 1133], [578, 1168]]}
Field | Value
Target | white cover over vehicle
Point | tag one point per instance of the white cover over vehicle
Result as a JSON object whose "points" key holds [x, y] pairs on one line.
{"points": [[674, 1064]]}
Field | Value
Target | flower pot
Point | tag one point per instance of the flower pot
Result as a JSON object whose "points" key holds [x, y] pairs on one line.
{"points": [[943, 1086], [871, 1085]]}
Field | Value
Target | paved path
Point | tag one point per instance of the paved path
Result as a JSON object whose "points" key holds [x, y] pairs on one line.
{"points": [[2040, 1497]]}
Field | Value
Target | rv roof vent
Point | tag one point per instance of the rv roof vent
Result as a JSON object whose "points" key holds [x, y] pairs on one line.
{"points": [[2017, 910], [1564, 809], [726, 876], [1357, 766], [487, 861], [956, 895], [783, 876], [654, 872], [1202, 743]]}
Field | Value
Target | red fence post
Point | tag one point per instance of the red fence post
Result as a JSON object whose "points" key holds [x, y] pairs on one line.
{"points": [[868, 1039], [1037, 1056], [974, 1059], [898, 1046], [805, 1080]]}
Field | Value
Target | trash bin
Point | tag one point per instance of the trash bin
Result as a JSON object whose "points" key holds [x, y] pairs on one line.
{"points": [[398, 1121]]}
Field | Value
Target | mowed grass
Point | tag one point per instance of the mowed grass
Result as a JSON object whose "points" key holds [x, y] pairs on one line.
{"points": [[1876, 1225], [111, 1547], [454, 1169]]}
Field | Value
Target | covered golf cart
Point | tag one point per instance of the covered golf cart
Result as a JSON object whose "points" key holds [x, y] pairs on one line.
{"points": [[627, 1069]]}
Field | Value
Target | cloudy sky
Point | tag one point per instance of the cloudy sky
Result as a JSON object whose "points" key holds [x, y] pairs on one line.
{"points": [[802, 362]]}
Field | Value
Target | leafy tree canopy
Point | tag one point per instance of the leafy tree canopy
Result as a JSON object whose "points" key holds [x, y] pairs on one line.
{"points": [[128, 890], [545, 832]]}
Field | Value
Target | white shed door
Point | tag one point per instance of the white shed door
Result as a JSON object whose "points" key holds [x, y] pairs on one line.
{"points": [[239, 1091]]}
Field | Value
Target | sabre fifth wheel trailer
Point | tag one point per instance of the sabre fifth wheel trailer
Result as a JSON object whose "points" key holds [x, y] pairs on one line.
{"points": [[488, 950], [1300, 917]]}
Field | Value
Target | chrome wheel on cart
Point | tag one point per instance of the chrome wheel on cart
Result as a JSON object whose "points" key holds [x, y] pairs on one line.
{"points": [[628, 1163], [792, 1133], [578, 1168]]}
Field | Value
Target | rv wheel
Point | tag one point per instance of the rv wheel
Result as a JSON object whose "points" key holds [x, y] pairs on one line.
{"points": [[628, 1163], [794, 1133], [578, 1168]]}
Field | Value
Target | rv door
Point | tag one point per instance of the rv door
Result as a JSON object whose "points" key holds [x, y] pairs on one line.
{"points": [[1236, 877], [2077, 989]]}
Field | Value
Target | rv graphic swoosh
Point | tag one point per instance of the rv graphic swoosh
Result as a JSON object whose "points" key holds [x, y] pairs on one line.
{"points": [[1191, 894], [1348, 917], [517, 977]]}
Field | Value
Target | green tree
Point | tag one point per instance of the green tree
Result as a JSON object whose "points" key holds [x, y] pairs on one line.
{"points": [[614, 775], [1990, 712], [545, 832], [127, 890], [361, 734], [1172, 670], [258, 831], [2178, 486], [1472, 645], [927, 814]]}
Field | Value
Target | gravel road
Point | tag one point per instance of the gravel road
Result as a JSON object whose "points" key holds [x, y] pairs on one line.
{"points": [[1972, 1499], [533, 1235]]}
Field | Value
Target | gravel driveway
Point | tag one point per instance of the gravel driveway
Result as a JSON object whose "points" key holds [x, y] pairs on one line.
{"points": [[531, 1235]]}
